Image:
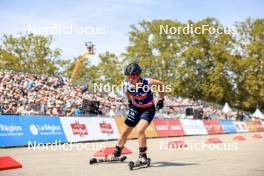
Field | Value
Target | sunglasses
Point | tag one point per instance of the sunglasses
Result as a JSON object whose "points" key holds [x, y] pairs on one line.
{"points": [[133, 78]]}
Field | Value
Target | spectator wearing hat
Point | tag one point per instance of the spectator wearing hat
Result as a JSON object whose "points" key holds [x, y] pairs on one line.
{"points": [[49, 110], [57, 110]]}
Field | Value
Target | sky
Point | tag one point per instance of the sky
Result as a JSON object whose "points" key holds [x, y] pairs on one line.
{"points": [[108, 21]]}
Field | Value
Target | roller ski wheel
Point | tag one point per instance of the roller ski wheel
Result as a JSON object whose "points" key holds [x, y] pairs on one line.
{"points": [[131, 165], [93, 160], [122, 158], [148, 162]]}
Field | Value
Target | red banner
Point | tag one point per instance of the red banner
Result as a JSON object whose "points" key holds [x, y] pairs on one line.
{"points": [[161, 127], [213, 126], [175, 127], [259, 125]]}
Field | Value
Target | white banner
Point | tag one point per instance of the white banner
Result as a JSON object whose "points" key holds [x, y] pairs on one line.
{"points": [[192, 127], [240, 127], [89, 128], [105, 128]]}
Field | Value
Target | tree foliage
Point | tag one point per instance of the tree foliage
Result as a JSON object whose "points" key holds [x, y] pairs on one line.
{"points": [[215, 67], [29, 53]]}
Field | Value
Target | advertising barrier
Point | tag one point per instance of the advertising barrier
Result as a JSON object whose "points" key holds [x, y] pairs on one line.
{"points": [[44, 129], [12, 133], [228, 126], [259, 125], [161, 127], [240, 127], [213, 127], [79, 129], [30, 130], [168, 127], [193, 127], [251, 126], [175, 127]]}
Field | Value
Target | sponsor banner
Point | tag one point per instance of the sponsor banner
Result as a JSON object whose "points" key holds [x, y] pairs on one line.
{"points": [[76, 129], [161, 127], [175, 127], [106, 128], [44, 129], [258, 125], [192, 127], [240, 127], [12, 133], [79, 129], [213, 127], [30, 130], [228, 126], [251, 126]]}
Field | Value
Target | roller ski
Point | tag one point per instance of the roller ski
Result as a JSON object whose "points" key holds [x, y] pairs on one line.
{"points": [[143, 160], [115, 157], [139, 163], [108, 160]]}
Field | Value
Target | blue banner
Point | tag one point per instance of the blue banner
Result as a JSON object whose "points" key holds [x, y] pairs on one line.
{"points": [[12, 132], [30, 130], [228, 126]]}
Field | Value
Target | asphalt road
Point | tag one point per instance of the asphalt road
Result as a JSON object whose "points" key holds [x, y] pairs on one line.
{"points": [[231, 158]]}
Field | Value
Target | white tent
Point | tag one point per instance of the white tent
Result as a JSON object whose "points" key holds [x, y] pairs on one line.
{"points": [[258, 114], [226, 108]]}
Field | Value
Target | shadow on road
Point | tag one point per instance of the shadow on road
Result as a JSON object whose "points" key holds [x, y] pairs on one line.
{"points": [[167, 164]]}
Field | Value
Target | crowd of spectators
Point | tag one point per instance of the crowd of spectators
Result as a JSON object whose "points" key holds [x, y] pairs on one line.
{"points": [[26, 93]]}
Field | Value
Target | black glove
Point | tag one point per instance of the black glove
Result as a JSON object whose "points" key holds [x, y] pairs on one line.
{"points": [[130, 104], [159, 105]]}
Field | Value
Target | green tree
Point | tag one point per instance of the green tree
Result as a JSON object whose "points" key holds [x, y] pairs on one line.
{"points": [[248, 65], [29, 52], [203, 67], [193, 64], [110, 69], [155, 52]]}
